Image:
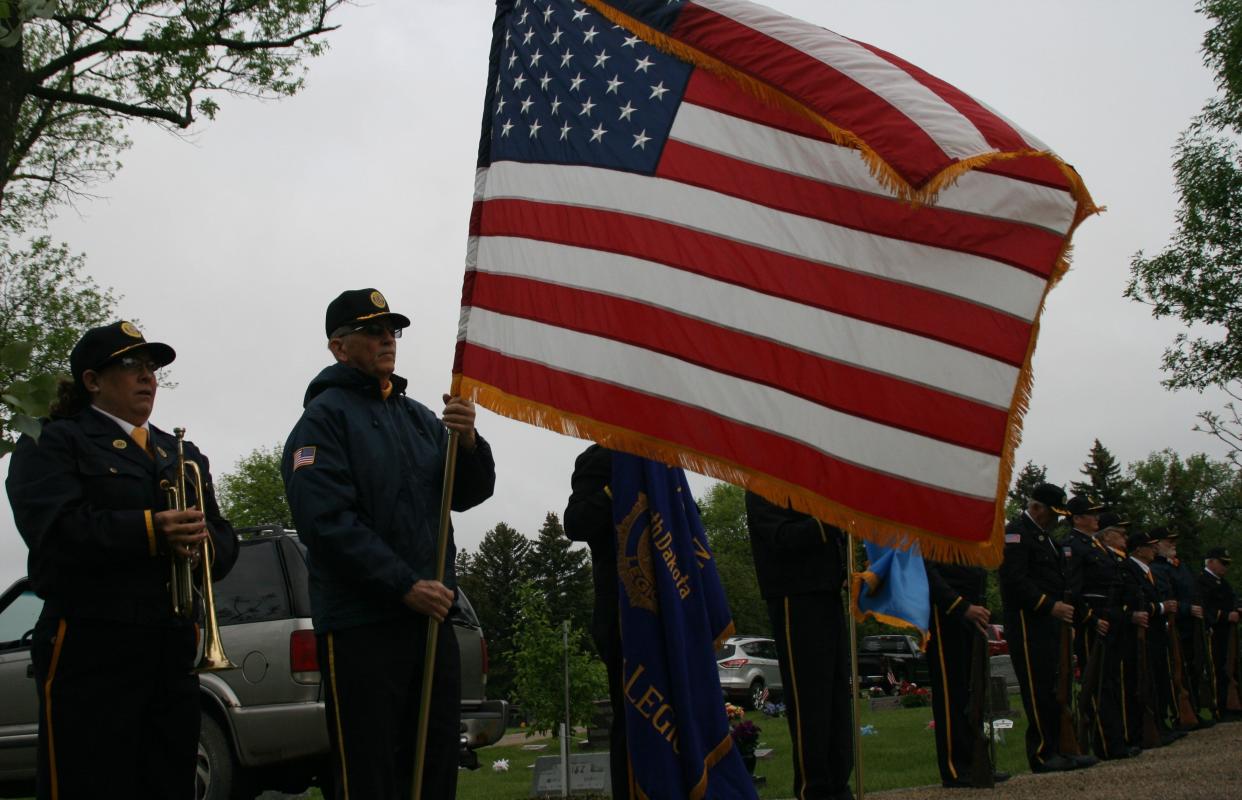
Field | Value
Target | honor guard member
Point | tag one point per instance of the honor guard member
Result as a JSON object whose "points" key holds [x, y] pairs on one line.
{"points": [[1033, 583], [588, 518], [113, 664], [1077, 545], [1220, 613], [1147, 611], [363, 471], [959, 618], [1176, 582], [1102, 590], [800, 565]]}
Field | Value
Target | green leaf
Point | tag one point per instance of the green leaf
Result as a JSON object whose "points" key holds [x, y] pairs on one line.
{"points": [[15, 356], [28, 425], [6, 447]]}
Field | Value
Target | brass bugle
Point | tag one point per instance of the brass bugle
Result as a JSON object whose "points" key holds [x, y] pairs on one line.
{"points": [[182, 586]]}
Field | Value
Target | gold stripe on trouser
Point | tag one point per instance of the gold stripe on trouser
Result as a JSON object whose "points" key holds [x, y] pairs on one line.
{"points": [[797, 708], [1211, 659], [336, 708], [47, 708], [1125, 701], [1030, 682], [944, 682]]}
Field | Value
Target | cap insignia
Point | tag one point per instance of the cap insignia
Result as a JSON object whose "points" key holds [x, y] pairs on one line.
{"points": [[129, 330], [378, 300]]}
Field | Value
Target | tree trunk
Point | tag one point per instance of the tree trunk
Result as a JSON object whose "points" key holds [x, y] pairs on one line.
{"points": [[12, 95]]}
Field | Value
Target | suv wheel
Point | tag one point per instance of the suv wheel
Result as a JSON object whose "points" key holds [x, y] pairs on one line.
{"points": [[756, 693], [213, 779]]}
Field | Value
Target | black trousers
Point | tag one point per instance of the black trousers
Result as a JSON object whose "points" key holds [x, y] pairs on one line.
{"points": [[1220, 664], [1034, 641], [606, 632], [949, 650], [1162, 672], [1108, 733], [811, 643], [118, 710], [373, 678]]}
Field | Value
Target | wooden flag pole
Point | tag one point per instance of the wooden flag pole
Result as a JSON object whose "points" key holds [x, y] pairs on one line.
{"points": [[433, 625], [855, 683]]}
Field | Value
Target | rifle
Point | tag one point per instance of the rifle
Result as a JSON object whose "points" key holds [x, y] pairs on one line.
{"points": [[1202, 667], [1232, 701], [1147, 694], [981, 759], [1186, 716], [1089, 695], [1065, 690]]}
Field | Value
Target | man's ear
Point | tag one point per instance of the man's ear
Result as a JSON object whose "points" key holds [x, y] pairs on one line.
{"points": [[337, 348], [90, 379]]}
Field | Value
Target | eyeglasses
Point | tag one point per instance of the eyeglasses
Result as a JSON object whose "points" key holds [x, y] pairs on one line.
{"points": [[138, 365], [373, 329]]}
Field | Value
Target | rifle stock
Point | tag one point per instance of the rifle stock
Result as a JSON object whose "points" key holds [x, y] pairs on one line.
{"points": [[1186, 716], [981, 768], [1089, 697], [1065, 692], [1147, 694], [1203, 672]]}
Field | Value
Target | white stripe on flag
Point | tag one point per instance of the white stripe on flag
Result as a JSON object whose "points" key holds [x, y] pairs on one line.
{"points": [[981, 280], [981, 193], [848, 438], [833, 336], [955, 135]]}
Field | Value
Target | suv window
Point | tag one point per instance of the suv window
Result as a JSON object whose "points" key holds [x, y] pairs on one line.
{"points": [[725, 651], [254, 590], [19, 618], [465, 611], [768, 650]]}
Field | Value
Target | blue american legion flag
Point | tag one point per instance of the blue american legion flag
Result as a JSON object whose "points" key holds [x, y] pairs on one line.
{"points": [[893, 589], [674, 617], [693, 240]]}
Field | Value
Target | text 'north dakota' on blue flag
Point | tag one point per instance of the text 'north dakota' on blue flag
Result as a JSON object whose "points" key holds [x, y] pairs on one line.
{"points": [[693, 239], [673, 617]]}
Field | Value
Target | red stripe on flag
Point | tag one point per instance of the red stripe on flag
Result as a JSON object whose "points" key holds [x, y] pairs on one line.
{"points": [[895, 305], [841, 100], [1031, 249], [997, 131], [852, 390], [883, 496]]}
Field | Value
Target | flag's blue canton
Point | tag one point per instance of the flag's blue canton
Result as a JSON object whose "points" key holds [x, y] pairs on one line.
{"points": [[573, 88]]}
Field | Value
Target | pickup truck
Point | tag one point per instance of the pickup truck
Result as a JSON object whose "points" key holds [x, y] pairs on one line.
{"points": [[885, 661], [262, 723]]}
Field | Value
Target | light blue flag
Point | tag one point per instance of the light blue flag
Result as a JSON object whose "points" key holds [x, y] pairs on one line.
{"points": [[893, 588]]}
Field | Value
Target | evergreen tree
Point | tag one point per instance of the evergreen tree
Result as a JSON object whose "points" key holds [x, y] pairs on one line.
{"points": [[723, 510], [562, 575], [1105, 483], [1030, 476], [495, 571]]}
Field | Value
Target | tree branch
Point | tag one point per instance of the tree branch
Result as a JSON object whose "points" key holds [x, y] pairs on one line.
{"points": [[58, 96]]}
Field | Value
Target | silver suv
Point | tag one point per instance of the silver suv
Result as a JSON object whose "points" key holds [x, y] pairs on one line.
{"points": [[749, 670], [263, 723]]}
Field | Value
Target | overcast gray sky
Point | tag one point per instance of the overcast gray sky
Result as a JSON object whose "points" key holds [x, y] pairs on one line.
{"points": [[230, 244]]}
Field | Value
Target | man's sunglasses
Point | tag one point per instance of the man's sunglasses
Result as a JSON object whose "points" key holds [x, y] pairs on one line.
{"points": [[373, 329], [138, 365]]}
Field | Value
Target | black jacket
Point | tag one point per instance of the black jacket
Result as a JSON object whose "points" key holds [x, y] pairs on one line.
{"points": [[588, 518], [1218, 600], [956, 587], [83, 498], [794, 552], [1102, 583], [365, 495], [1142, 594], [1082, 548], [1033, 575]]}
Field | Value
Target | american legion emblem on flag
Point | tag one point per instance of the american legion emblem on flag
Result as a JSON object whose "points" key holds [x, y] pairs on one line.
{"points": [[713, 235]]}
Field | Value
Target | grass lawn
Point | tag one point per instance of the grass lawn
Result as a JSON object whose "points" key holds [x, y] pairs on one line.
{"points": [[901, 753]]}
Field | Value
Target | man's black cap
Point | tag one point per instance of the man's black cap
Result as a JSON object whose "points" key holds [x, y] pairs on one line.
{"points": [[1110, 520], [99, 347], [1163, 534], [1137, 539], [1220, 554], [361, 305], [1050, 495], [1081, 504]]}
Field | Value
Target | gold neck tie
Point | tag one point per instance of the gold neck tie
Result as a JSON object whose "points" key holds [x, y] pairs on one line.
{"points": [[139, 435]]}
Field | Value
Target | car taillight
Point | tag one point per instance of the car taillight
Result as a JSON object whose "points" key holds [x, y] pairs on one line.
{"points": [[733, 663], [304, 656]]}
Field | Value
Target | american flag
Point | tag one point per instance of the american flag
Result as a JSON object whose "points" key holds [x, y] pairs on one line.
{"points": [[711, 234], [303, 457]]}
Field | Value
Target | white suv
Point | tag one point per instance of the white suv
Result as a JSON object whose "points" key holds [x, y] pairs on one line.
{"points": [[748, 668]]}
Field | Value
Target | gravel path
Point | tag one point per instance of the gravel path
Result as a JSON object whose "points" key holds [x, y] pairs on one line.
{"points": [[1205, 765]]}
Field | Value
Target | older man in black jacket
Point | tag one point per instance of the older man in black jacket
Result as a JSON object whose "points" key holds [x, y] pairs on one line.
{"points": [[363, 470]]}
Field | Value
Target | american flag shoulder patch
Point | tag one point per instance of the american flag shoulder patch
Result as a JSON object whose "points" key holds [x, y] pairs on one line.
{"points": [[1068, 551], [303, 457], [1013, 538]]}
